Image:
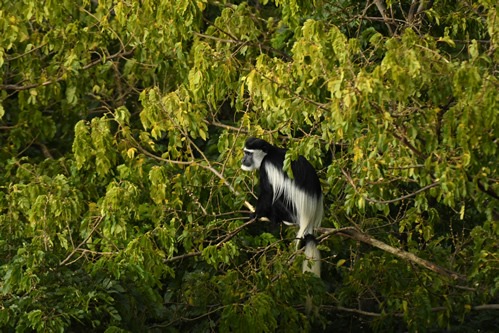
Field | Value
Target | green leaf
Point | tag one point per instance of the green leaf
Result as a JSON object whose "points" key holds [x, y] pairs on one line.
{"points": [[71, 95]]}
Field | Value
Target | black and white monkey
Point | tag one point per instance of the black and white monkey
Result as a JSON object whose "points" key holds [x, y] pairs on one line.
{"points": [[282, 199]]}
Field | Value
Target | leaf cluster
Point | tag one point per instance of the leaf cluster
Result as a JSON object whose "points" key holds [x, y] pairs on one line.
{"points": [[123, 206]]}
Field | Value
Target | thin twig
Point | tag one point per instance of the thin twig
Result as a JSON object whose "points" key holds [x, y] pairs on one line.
{"points": [[78, 248], [404, 196], [19, 87], [219, 244]]}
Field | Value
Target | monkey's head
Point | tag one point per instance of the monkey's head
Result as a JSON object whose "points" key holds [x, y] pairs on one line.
{"points": [[255, 151]]}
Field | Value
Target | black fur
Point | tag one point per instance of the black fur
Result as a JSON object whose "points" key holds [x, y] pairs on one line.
{"points": [[305, 178], [297, 200]]}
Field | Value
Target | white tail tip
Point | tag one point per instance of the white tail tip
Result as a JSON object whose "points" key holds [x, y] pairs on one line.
{"points": [[312, 263]]}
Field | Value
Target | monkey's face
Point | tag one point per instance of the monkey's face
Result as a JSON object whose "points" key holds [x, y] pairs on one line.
{"points": [[252, 159]]}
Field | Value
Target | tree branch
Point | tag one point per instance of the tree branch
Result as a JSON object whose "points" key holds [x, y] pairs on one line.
{"points": [[482, 188], [350, 180], [78, 248], [219, 244], [382, 9], [404, 196], [357, 235], [376, 314], [19, 87]]}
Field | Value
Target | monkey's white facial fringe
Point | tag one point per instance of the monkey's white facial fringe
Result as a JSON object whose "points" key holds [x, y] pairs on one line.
{"points": [[309, 209], [258, 157]]}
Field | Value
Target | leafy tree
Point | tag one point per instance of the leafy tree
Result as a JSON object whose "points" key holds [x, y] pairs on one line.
{"points": [[122, 204]]}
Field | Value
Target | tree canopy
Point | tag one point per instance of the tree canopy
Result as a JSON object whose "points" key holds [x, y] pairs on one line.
{"points": [[123, 207]]}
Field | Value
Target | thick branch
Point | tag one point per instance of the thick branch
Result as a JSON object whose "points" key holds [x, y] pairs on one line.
{"points": [[382, 9], [408, 144], [376, 314], [482, 188], [422, 5], [364, 238]]}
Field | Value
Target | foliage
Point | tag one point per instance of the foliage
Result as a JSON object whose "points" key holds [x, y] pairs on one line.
{"points": [[122, 204]]}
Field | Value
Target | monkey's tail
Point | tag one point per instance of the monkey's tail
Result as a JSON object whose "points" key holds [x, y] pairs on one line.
{"points": [[309, 219], [312, 262]]}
